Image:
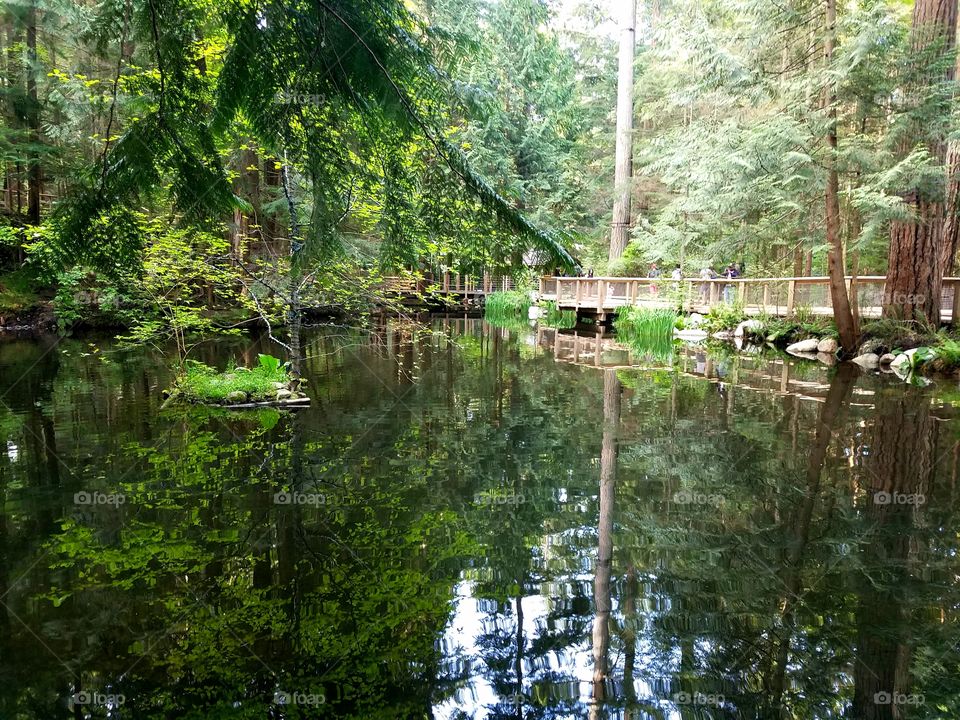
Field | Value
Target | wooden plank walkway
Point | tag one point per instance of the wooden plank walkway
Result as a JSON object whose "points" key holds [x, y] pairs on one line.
{"points": [[781, 297], [466, 287]]}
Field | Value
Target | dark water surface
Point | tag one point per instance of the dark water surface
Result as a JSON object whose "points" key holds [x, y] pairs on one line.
{"points": [[476, 523]]}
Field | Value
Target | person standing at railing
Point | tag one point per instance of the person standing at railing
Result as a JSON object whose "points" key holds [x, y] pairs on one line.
{"points": [[707, 273], [654, 273], [730, 272]]}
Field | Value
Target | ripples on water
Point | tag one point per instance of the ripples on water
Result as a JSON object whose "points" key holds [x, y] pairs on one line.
{"points": [[503, 524]]}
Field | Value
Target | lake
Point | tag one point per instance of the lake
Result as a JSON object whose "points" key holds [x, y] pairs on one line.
{"points": [[476, 522]]}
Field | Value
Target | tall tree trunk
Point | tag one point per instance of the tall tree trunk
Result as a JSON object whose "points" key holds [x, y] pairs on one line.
{"points": [[951, 228], [623, 173], [35, 171], [917, 252], [835, 266]]}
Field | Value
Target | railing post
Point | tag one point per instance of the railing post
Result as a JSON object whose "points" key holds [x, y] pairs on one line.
{"points": [[742, 292], [714, 292], [791, 295], [578, 292], [688, 300], [446, 281], [601, 294], [766, 296]]}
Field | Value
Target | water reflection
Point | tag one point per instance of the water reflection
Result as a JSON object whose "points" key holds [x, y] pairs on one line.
{"points": [[491, 529]]}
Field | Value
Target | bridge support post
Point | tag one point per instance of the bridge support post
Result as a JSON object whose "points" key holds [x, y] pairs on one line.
{"points": [[791, 296]]}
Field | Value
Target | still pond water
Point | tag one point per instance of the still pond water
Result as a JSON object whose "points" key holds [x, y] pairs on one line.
{"points": [[473, 522]]}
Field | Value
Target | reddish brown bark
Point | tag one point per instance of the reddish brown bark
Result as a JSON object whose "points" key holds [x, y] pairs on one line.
{"points": [[919, 246]]}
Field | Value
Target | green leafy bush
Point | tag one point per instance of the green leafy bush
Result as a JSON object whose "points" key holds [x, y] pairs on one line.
{"points": [[723, 317]]}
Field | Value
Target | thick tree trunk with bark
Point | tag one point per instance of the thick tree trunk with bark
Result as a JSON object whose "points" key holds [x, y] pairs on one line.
{"points": [[623, 172], [951, 228], [919, 246]]}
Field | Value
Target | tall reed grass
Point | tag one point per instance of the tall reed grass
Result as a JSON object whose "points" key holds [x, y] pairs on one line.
{"points": [[507, 309], [648, 331]]}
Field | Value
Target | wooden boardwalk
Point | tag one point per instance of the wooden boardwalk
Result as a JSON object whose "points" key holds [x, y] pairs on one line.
{"points": [[465, 288], [601, 297]]}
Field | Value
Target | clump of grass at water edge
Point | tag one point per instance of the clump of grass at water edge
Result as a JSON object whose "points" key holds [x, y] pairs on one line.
{"points": [[649, 331], [509, 308]]}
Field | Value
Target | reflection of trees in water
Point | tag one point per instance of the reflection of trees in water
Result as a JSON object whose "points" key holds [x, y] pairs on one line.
{"points": [[202, 592]]}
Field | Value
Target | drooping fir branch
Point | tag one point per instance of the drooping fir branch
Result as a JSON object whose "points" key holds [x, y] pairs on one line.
{"points": [[458, 163]]}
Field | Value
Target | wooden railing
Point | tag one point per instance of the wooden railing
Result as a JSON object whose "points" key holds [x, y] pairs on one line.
{"points": [[770, 296], [450, 283]]}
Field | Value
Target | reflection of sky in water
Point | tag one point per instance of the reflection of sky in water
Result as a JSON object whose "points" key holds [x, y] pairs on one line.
{"points": [[573, 664]]}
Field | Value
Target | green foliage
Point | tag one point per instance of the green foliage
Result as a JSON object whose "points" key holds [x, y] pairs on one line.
{"points": [[508, 307], [556, 318], [269, 363], [723, 316], [200, 383], [647, 330]]}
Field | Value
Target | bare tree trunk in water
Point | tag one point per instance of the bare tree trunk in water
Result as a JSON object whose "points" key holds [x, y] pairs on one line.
{"points": [[623, 172], [601, 583], [916, 259], [830, 411], [838, 287], [295, 276], [901, 460]]}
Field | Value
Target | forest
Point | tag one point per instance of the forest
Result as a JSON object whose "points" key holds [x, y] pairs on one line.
{"points": [[216, 162], [479, 360]]}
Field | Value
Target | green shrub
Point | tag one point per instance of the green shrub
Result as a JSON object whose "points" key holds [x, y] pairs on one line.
{"points": [[723, 317]]}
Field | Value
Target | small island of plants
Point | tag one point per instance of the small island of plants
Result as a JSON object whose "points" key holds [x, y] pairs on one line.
{"points": [[269, 383]]}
